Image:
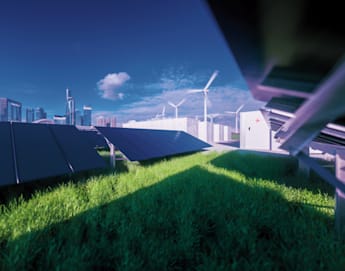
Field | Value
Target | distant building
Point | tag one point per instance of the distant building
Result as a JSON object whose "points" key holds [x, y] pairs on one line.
{"points": [[101, 121], [44, 121], [106, 121], [30, 115], [194, 127], [59, 119], [112, 121], [87, 114], [70, 108], [40, 113], [10, 110], [78, 118]]}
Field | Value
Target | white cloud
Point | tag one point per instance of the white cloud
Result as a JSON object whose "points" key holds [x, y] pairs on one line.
{"points": [[111, 83], [175, 78], [121, 95]]}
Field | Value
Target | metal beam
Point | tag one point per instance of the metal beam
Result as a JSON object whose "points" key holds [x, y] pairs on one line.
{"points": [[322, 108], [323, 173], [339, 194]]}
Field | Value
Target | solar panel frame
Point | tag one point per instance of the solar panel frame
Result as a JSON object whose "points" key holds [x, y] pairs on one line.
{"points": [[145, 144], [7, 159]]}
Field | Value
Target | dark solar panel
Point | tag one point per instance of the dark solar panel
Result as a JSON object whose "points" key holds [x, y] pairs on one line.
{"points": [[286, 78], [76, 148], [287, 104], [144, 144], [7, 170], [95, 139], [37, 152]]}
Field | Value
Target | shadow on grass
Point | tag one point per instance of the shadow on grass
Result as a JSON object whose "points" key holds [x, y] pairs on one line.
{"points": [[26, 190], [195, 220], [276, 167]]}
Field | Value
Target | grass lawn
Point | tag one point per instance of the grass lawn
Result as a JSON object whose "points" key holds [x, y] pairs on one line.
{"points": [[229, 211]]}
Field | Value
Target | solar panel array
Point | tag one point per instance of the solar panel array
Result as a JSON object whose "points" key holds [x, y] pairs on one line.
{"points": [[35, 151], [144, 144]]}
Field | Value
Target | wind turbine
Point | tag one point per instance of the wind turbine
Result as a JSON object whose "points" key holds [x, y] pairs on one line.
{"points": [[212, 116], [176, 106], [205, 91], [161, 115], [236, 115]]}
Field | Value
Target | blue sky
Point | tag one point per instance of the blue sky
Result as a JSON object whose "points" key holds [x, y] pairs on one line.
{"points": [[125, 58]]}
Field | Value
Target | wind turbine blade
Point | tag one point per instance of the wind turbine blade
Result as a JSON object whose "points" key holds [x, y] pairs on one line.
{"points": [[181, 102], [239, 109], [173, 105], [230, 112], [195, 90], [213, 76]]}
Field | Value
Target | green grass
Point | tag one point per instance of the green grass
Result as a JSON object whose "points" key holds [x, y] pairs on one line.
{"points": [[231, 211]]}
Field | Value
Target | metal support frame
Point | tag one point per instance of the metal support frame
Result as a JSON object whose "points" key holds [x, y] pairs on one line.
{"points": [[323, 173], [337, 181], [14, 151], [340, 195], [304, 168], [112, 155]]}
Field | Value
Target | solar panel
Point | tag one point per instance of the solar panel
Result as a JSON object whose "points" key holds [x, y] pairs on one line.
{"points": [[7, 169], [38, 154], [144, 144], [287, 104], [76, 149], [95, 139]]}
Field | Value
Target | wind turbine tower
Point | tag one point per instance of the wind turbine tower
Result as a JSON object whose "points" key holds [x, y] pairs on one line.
{"points": [[236, 116]]}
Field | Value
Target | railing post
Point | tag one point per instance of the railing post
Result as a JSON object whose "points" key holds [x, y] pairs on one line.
{"points": [[340, 196], [112, 155]]}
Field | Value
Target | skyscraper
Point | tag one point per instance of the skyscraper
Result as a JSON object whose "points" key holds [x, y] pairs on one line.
{"points": [[87, 115], [10, 110], [30, 115], [3, 109], [78, 118], [40, 113], [70, 108]]}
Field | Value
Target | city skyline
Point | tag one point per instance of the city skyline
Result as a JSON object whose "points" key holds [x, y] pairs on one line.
{"points": [[126, 59], [11, 110]]}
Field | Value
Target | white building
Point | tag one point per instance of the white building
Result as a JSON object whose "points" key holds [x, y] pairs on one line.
{"points": [[255, 133], [191, 126], [187, 125]]}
